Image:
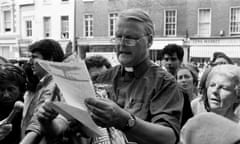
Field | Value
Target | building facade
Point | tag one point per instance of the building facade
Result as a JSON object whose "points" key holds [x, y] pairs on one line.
{"points": [[213, 26], [96, 23], [25, 21], [200, 26], [8, 29]]}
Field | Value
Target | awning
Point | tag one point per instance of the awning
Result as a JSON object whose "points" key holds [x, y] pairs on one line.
{"points": [[162, 43], [207, 51]]}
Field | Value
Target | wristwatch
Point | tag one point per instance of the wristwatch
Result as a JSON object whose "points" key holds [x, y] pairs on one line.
{"points": [[131, 122]]}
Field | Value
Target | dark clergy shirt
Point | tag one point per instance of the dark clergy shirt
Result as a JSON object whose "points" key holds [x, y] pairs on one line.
{"points": [[149, 93]]}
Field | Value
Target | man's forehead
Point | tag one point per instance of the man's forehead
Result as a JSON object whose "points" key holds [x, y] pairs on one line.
{"points": [[129, 28]]}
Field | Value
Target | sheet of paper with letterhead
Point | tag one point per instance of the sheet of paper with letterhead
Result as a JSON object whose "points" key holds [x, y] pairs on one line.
{"points": [[75, 84]]}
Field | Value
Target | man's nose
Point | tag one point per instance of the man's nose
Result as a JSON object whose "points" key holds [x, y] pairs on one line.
{"points": [[169, 62], [183, 79], [121, 46], [122, 42], [31, 61], [6, 93], [215, 90]]}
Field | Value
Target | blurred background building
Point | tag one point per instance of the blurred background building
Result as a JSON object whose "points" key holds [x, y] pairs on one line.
{"points": [[200, 26]]}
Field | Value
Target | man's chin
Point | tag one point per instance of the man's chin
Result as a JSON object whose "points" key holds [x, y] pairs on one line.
{"points": [[34, 73], [125, 62]]}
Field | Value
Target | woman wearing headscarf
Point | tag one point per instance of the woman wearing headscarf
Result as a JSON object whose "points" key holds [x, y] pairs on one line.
{"points": [[220, 58]]}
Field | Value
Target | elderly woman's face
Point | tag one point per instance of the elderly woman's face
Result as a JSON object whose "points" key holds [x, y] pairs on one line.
{"points": [[185, 78], [221, 93]]}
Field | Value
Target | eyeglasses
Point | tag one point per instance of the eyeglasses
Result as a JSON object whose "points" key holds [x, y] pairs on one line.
{"points": [[127, 41]]}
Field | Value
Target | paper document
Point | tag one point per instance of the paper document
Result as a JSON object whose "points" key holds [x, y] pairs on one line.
{"points": [[75, 84]]}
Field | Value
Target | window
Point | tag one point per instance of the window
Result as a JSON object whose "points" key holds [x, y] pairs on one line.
{"points": [[64, 27], [65, 1], [5, 51], [28, 24], [46, 26], [235, 21], [112, 23], [88, 25], [47, 1], [170, 23], [87, 0], [7, 21], [204, 22]]}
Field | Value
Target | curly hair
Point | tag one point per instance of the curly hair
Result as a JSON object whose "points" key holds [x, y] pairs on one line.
{"points": [[10, 73], [170, 49], [49, 49]]}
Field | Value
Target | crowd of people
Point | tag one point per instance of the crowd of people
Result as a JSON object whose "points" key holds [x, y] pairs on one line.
{"points": [[143, 103]]}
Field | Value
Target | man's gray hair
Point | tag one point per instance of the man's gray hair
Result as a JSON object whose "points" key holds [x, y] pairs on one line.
{"points": [[140, 16]]}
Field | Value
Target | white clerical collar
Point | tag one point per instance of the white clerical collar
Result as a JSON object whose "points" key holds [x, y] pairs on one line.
{"points": [[128, 69]]}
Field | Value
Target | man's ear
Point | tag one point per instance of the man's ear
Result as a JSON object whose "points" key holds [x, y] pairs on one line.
{"points": [[150, 40]]}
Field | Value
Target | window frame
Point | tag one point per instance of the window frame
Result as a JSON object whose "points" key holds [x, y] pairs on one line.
{"points": [[87, 0], [165, 23], [28, 29], [8, 23], [45, 28], [238, 22], [89, 28], [112, 23], [64, 28], [210, 22]]}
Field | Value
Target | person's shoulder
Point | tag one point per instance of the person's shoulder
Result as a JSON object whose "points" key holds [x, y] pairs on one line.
{"points": [[159, 72], [197, 100]]}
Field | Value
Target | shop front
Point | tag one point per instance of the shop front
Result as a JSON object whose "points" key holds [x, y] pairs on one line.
{"points": [[93, 45], [9, 47], [202, 49]]}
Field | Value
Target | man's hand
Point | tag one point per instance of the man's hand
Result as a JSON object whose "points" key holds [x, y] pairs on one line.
{"points": [[5, 129], [106, 113], [45, 113]]}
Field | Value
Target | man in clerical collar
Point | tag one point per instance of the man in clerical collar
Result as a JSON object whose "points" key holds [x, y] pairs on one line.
{"points": [[147, 108]]}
